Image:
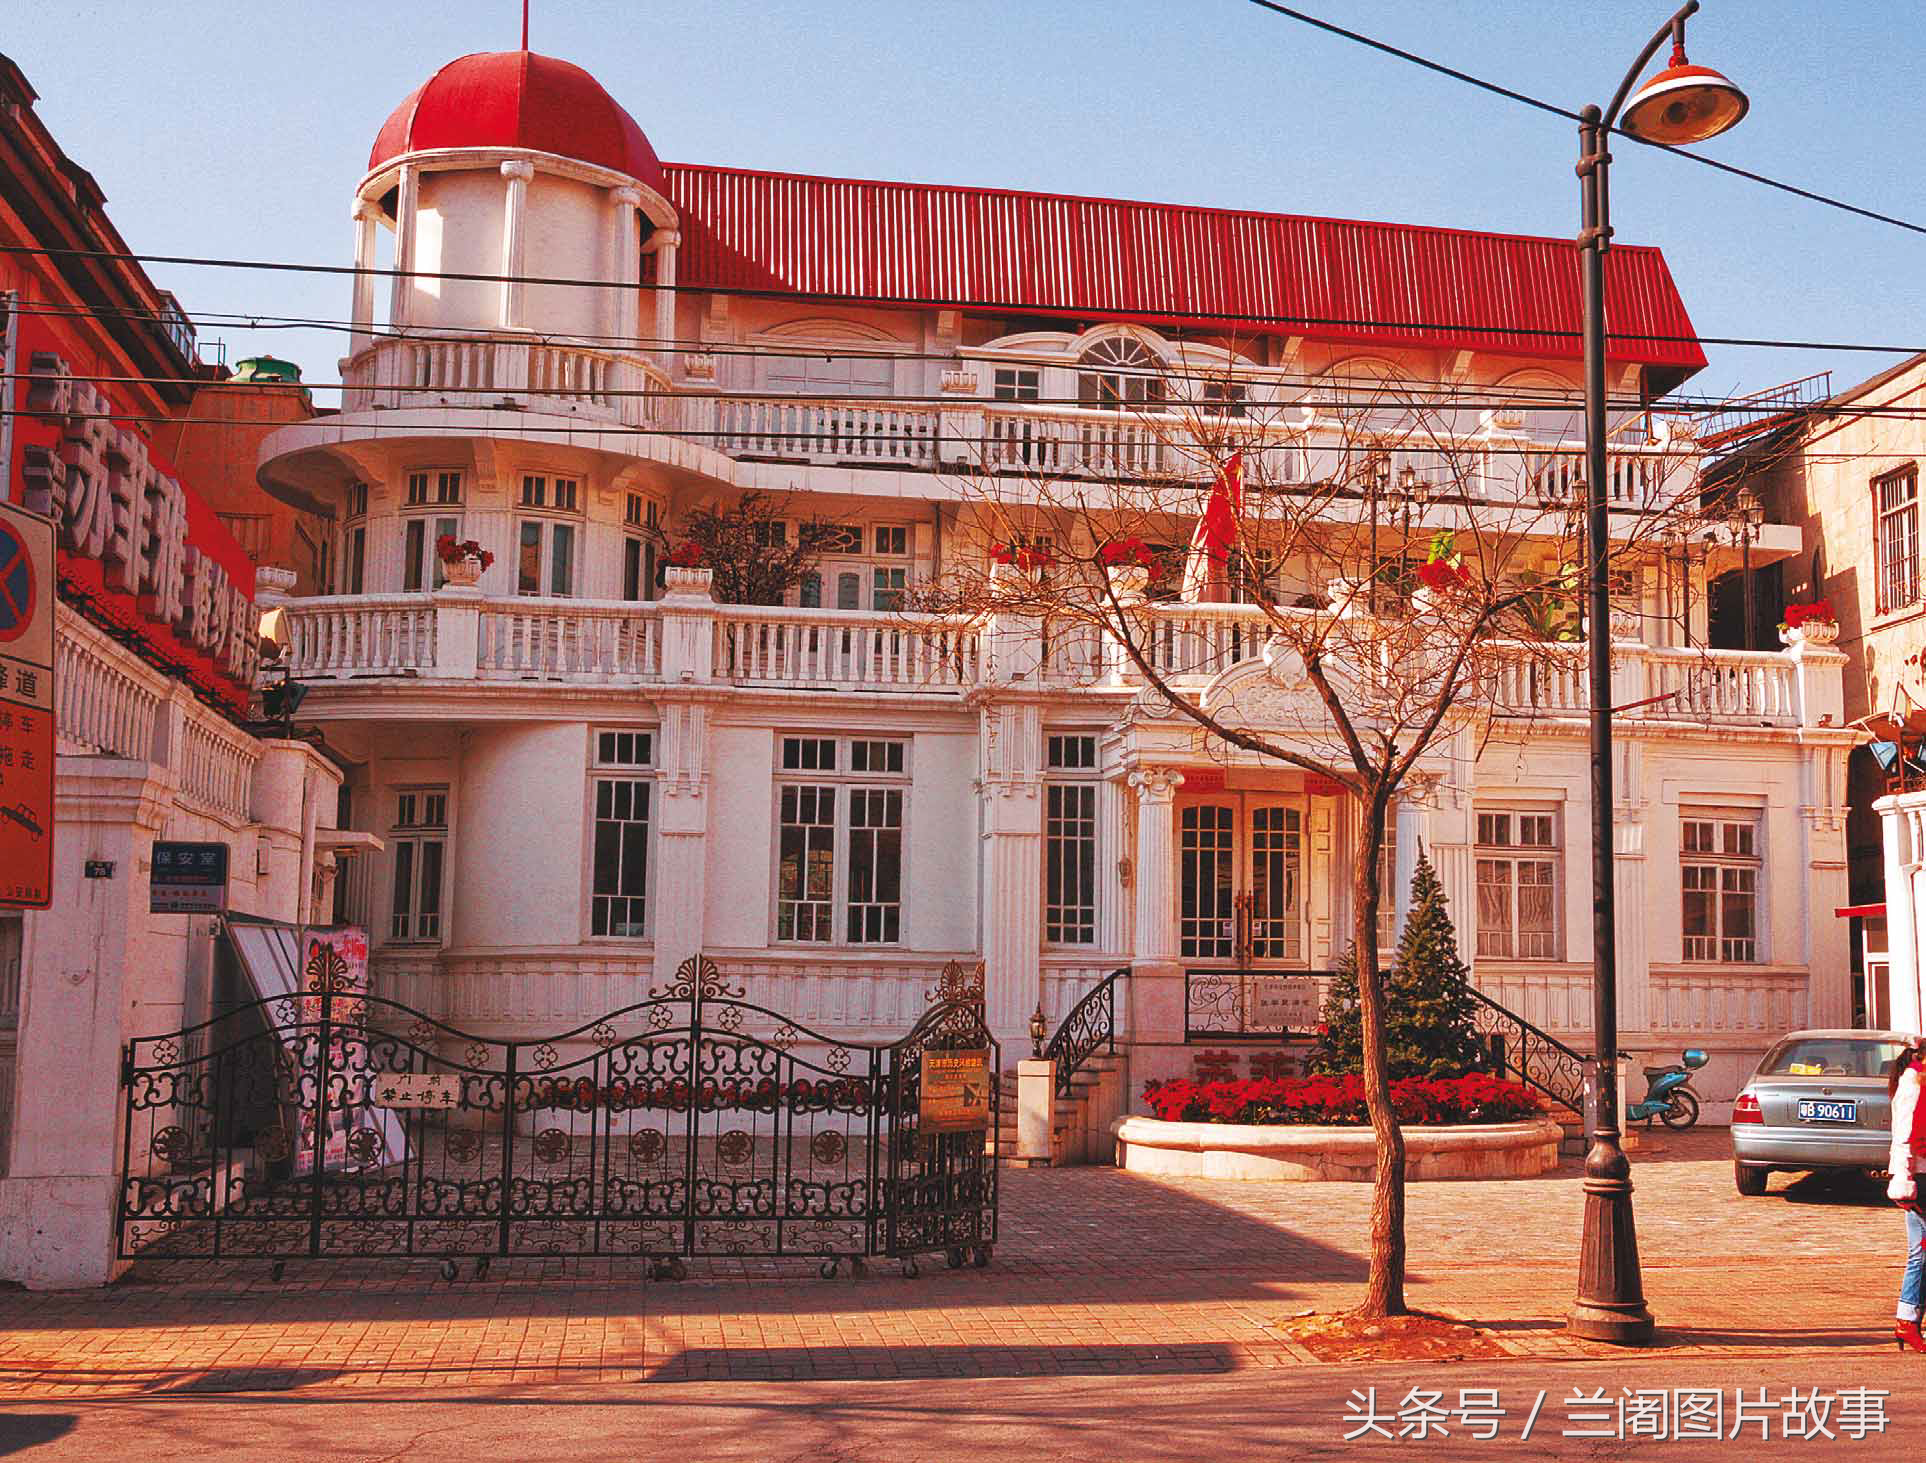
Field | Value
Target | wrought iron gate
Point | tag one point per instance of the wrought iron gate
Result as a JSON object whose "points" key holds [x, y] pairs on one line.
{"points": [[694, 1123]]}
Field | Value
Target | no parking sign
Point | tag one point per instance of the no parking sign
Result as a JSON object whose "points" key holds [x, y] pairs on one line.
{"points": [[26, 708]]}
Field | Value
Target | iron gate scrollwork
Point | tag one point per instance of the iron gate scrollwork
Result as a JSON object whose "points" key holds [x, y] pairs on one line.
{"points": [[693, 1123]]}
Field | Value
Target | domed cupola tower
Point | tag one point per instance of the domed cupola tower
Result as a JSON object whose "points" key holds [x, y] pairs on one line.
{"points": [[511, 163]]}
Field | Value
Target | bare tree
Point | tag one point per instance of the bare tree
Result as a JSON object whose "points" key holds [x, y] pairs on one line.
{"points": [[1411, 569], [755, 552]]}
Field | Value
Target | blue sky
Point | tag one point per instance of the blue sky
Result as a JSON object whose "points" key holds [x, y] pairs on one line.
{"points": [[218, 129]]}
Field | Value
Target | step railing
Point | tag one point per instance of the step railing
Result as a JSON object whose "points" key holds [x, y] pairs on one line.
{"points": [[1088, 1027], [1538, 1059]]}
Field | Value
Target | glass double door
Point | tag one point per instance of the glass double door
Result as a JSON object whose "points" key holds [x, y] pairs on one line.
{"points": [[1240, 873]]}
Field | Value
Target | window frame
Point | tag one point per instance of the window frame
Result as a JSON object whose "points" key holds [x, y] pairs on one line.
{"points": [[421, 566], [608, 765], [1067, 768], [844, 781], [1721, 861], [407, 831], [1514, 854], [1896, 586]]}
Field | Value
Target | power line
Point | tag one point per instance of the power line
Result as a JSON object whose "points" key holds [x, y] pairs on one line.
{"points": [[1544, 106]]}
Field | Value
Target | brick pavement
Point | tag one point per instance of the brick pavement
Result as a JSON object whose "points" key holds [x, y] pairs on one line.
{"points": [[1096, 1272]]}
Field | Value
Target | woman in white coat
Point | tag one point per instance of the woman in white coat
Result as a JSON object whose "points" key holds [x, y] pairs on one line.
{"points": [[1907, 1162]]}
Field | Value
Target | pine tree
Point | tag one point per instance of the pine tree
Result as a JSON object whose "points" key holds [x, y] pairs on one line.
{"points": [[1431, 1014]]}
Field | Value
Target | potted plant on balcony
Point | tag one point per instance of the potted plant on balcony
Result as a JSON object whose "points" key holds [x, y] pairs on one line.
{"points": [[1029, 560], [1442, 574], [1128, 562], [1810, 624], [462, 560]]}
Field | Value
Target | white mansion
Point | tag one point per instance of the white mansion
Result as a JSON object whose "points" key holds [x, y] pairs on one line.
{"points": [[584, 768]]}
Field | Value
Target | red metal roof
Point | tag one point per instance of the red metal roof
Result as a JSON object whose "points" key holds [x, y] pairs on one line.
{"points": [[1004, 252], [522, 100]]}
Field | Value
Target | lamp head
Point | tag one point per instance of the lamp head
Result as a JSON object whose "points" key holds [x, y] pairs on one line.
{"points": [[1683, 103]]}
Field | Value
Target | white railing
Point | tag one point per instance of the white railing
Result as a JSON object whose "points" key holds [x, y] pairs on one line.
{"points": [[572, 639], [98, 707], [482, 371], [360, 635], [217, 766], [827, 431], [1717, 685], [1202, 640], [1086, 443], [840, 650], [1721, 999], [1547, 680]]}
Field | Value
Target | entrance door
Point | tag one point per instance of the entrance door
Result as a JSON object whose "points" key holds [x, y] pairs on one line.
{"points": [[1240, 896]]}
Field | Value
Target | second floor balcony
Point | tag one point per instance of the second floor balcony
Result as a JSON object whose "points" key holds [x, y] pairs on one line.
{"points": [[456, 641]]}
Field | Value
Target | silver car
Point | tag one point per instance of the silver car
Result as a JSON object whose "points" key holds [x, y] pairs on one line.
{"points": [[1817, 1100]]}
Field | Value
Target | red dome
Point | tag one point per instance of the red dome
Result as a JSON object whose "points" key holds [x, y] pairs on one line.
{"points": [[518, 99]]}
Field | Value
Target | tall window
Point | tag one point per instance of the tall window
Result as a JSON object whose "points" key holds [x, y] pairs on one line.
{"points": [[419, 844], [639, 539], [840, 806], [1119, 374], [1896, 502], [354, 541], [1719, 866], [1518, 861], [622, 789], [420, 564], [1070, 841], [545, 545]]}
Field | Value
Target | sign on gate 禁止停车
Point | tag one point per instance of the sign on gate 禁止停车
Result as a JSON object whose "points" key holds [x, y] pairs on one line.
{"points": [[956, 1091], [418, 1089]]}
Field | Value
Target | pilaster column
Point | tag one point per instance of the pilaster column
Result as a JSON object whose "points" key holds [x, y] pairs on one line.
{"points": [[1827, 951], [1899, 825], [1156, 871], [1632, 914], [407, 198], [516, 174], [1113, 912], [364, 285], [682, 837], [1012, 787]]}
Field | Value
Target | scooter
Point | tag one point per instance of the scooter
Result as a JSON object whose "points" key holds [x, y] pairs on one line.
{"points": [[1668, 1094]]}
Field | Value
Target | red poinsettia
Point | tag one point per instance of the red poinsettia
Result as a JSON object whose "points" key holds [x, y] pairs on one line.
{"points": [[1339, 1101], [452, 550], [687, 555], [1024, 556], [1817, 612], [1127, 552]]}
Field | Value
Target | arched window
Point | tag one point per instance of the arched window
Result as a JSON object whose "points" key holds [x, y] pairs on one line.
{"points": [[1120, 373]]}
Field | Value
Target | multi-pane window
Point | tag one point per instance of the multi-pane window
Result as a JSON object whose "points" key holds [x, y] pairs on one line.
{"points": [[433, 489], [1017, 383], [892, 539], [1719, 865], [840, 807], [1517, 858], [1120, 374], [1222, 398], [622, 789], [1206, 847], [418, 845], [421, 565], [1277, 883], [1070, 841], [887, 588], [545, 548], [1896, 537]]}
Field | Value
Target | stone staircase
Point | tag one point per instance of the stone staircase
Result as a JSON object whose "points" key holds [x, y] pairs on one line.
{"points": [[1080, 1128]]}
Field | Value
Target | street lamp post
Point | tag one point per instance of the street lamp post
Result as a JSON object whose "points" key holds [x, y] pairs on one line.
{"points": [[1683, 103]]}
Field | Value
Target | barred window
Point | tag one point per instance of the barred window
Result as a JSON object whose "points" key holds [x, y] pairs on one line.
{"points": [[1896, 503], [1719, 867], [1517, 858]]}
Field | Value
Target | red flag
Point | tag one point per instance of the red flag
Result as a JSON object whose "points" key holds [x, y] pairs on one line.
{"points": [[1216, 535]]}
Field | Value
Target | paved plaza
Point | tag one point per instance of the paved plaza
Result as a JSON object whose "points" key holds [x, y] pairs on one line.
{"points": [[1097, 1273]]}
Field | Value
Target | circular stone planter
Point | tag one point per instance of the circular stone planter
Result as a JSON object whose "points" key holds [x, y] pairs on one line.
{"points": [[1309, 1155]]}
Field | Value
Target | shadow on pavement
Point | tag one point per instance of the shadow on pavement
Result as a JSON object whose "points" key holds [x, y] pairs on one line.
{"points": [[20, 1431]]}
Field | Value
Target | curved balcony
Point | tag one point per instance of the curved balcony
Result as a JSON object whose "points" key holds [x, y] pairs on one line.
{"points": [[494, 371]]}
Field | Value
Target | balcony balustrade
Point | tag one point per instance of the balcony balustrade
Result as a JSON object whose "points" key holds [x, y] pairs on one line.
{"points": [[687, 637], [490, 372]]}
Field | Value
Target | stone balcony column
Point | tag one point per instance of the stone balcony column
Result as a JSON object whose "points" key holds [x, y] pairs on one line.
{"points": [[1128, 582], [1818, 676], [365, 216], [665, 243], [688, 625], [516, 175], [1012, 641], [457, 632], [408, 198]]}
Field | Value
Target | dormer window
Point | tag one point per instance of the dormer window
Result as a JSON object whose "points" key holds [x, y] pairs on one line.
{"points": [[1120, 374]]}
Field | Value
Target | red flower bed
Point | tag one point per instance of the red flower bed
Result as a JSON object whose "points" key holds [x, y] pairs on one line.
{"points": [[1339, 1101]]}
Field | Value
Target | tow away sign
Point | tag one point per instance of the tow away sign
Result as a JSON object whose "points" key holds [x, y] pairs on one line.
{"points": [[26, 708]]}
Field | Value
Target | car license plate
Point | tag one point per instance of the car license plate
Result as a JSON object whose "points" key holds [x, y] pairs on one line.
{"points": [[1814, 1111]]}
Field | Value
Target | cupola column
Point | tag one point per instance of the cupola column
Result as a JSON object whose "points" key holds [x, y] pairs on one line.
{"points": [[665, 242], [407, 198], [625, 266], [365, 217], [515, 244]]}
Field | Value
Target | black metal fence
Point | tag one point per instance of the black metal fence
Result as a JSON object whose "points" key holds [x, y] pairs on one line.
{"points": [[693, 1123], [1252, 1005]]}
